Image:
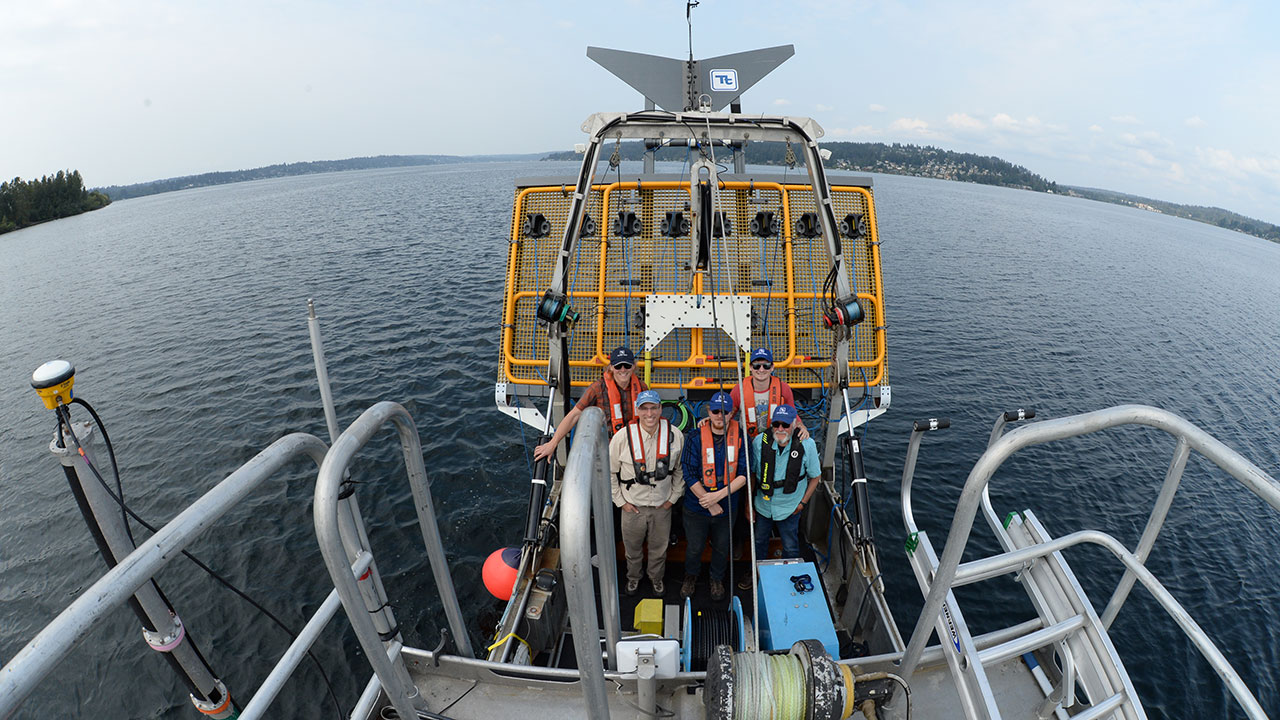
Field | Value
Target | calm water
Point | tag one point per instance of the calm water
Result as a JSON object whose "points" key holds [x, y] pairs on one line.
{"points": [[185, 317]]}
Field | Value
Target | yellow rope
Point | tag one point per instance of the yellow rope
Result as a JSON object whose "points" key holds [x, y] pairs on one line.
{"points": [[508, 637]]}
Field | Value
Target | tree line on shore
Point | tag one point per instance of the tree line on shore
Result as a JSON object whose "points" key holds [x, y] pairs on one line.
{"points": [[28, 202], [933, 162]]}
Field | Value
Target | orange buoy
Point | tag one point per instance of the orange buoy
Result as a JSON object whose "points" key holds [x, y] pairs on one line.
{"points": [[500, 572]]}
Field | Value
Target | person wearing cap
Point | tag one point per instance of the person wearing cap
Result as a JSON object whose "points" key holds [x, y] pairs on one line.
{"points": [[768, 392], [787, 469], [714, 463], [614, 393], [644, 464]]}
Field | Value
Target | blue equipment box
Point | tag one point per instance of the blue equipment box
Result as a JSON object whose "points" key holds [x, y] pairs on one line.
{"points": [[787, 614]]}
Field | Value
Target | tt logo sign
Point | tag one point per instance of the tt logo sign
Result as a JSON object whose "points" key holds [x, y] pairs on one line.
{"points": [[724, 80]]}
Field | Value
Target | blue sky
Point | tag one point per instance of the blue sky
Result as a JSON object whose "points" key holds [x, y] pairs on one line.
{"points": [[1174, 100]]}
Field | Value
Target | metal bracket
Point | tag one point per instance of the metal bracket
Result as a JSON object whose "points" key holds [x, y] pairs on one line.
{"points": [[528, 415], [664, 313]]}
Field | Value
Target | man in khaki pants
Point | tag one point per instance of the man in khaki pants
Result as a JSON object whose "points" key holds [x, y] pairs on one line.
{"points": [[644, 457]]}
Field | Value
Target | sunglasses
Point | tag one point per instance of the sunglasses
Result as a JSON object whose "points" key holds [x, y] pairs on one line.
{"points": [[623, 366], [778, 424], [716, 412], [762, 366]]}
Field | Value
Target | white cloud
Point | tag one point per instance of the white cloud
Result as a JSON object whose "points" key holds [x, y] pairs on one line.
{"points": [[1227, 162], [915, 125], [965, 121], [1125, 120], [858, 131], [1146, 157], [781, 101], [1195, 122], [1146, 138], [823, 108], [1031, 125], [875, 107], [1095, 128]]}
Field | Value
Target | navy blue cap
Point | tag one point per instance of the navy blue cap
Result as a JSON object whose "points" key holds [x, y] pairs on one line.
{"points": [[622, 355], [784, 413], [762, 354], [721, 401]]}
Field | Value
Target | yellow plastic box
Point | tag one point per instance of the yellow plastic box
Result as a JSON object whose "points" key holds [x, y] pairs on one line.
{"points": [[649, 616]]}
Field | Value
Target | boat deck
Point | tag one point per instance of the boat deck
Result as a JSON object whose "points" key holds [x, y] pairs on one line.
{"points": [[459, 689]]}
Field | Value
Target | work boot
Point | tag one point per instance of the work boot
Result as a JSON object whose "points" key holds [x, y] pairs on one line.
{"points": [[658, 587], [717, 591], [688, 586], [632, 586], [744, 582]]}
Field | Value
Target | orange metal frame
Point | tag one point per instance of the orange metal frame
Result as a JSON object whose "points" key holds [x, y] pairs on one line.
{"points": [[696, 358]]}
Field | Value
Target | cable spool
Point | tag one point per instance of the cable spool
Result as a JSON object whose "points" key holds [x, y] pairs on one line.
{"points": [[847, 311], [554, 308], [802, 684], [707, 629]]}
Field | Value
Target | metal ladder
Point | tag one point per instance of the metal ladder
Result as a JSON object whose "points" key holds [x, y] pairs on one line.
{"points": [[1068, 621]]}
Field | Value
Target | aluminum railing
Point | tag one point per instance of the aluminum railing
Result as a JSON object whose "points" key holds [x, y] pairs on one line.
{"points": [[584, 490], [330, 531], [1189, 437], [31, 664]]}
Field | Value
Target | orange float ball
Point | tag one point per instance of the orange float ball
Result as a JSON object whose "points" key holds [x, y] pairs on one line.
{"points": [[500, 572]]}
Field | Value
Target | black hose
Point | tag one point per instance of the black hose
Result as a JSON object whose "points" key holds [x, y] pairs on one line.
{"points": [[124, 508]]}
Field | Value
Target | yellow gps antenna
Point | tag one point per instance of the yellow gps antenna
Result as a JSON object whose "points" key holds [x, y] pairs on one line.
{"points": [[53, 381]]}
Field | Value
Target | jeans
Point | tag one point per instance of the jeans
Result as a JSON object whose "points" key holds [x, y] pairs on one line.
{"points": [[788, 530], [697, 527]]}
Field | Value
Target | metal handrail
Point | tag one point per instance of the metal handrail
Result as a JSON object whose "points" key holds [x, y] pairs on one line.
{"points": [[583, 490], [394, 676], [31, 664], [1259, 482], [977, 570]]}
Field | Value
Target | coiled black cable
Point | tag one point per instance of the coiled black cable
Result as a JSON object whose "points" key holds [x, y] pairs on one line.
{"points": [[64, 419], [712, 628]]}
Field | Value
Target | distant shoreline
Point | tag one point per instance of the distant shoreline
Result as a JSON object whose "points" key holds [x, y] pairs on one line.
{"points": [[895, 159]]}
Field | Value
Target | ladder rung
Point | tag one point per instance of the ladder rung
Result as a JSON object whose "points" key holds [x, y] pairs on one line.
{"points": [[1102, 708], [1030, 641]]}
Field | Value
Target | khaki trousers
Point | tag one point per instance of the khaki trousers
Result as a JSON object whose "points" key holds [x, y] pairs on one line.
{"points": [[655, 523]]}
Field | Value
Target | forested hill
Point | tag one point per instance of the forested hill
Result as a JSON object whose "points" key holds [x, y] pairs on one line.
{"points": [[1201, 213], [120, 192], [928, 161], [28, 202], [895, 159]]}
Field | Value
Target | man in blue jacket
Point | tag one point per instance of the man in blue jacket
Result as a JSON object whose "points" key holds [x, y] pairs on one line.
{"points": [[787, 471], [714, 462]]}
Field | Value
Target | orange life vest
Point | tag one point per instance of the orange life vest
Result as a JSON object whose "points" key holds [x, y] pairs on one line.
{"points": [[732, 436], [615, 398], [635, 440], [775, 399]]}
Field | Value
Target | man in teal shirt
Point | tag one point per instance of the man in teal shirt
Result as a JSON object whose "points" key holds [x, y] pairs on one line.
{"points": [[787, 472]]}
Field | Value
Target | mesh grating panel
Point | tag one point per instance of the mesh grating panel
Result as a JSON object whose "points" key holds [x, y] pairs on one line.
{"points": [[610, 275]]}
